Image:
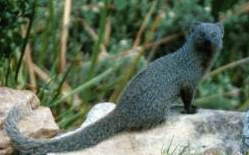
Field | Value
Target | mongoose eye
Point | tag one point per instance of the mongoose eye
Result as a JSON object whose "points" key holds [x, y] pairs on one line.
{"points": [[213, 34]]}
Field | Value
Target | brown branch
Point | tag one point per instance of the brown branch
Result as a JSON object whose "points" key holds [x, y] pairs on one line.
{"points": [[143, 26], [64, 35], [237, 11], [28, 62], [223, 68], [45, 77]]}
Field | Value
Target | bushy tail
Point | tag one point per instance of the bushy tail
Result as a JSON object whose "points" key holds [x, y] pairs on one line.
{"points": [[82, 138]]}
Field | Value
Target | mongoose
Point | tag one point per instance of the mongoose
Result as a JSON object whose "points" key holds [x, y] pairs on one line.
{"points": [[146, 101]]}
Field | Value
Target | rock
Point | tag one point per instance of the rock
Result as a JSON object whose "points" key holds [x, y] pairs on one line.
{"points": [[38, 124], [245, 135], [10, 97], [97, 112], [207, 132], [5, 143]]}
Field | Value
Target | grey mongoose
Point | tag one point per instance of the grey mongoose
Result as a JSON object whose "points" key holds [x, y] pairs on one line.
{"points": [[146, 101]]}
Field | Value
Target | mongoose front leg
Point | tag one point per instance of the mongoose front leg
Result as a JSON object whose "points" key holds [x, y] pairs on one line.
{"points": [[186, 94]]}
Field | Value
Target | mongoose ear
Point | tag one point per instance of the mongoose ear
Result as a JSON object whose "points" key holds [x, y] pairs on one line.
{"points": [[221, 26], [194, 25]]}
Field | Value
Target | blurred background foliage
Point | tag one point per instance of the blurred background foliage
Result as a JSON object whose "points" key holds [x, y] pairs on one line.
{"points": [[74, 54]]}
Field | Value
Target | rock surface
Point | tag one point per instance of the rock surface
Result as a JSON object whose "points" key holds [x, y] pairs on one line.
{"points": [[39, 124], [207, 132]]}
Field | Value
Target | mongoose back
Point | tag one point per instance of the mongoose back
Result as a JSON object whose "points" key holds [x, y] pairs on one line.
{"points": [[146, 100]]}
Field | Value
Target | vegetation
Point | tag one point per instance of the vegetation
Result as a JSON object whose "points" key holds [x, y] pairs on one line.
{"points": [[74, 54]]}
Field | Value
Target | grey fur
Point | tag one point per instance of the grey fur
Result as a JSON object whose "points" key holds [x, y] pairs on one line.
{"points": [[145, 102]]}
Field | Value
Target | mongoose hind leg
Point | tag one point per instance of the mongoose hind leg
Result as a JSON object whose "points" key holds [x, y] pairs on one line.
{"points": [[146, 119]]}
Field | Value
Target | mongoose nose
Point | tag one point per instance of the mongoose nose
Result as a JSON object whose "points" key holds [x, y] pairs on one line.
{"points": [[207, 43]]}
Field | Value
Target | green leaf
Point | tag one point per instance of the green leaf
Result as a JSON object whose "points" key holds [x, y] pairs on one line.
{"points": [[121, 4]]}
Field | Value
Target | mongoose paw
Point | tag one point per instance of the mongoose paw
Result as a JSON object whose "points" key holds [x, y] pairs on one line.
{"points": [[190, 110], [183, 110]]}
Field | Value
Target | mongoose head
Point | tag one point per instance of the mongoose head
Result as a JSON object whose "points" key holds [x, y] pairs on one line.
{"points": [[207, 37]]}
